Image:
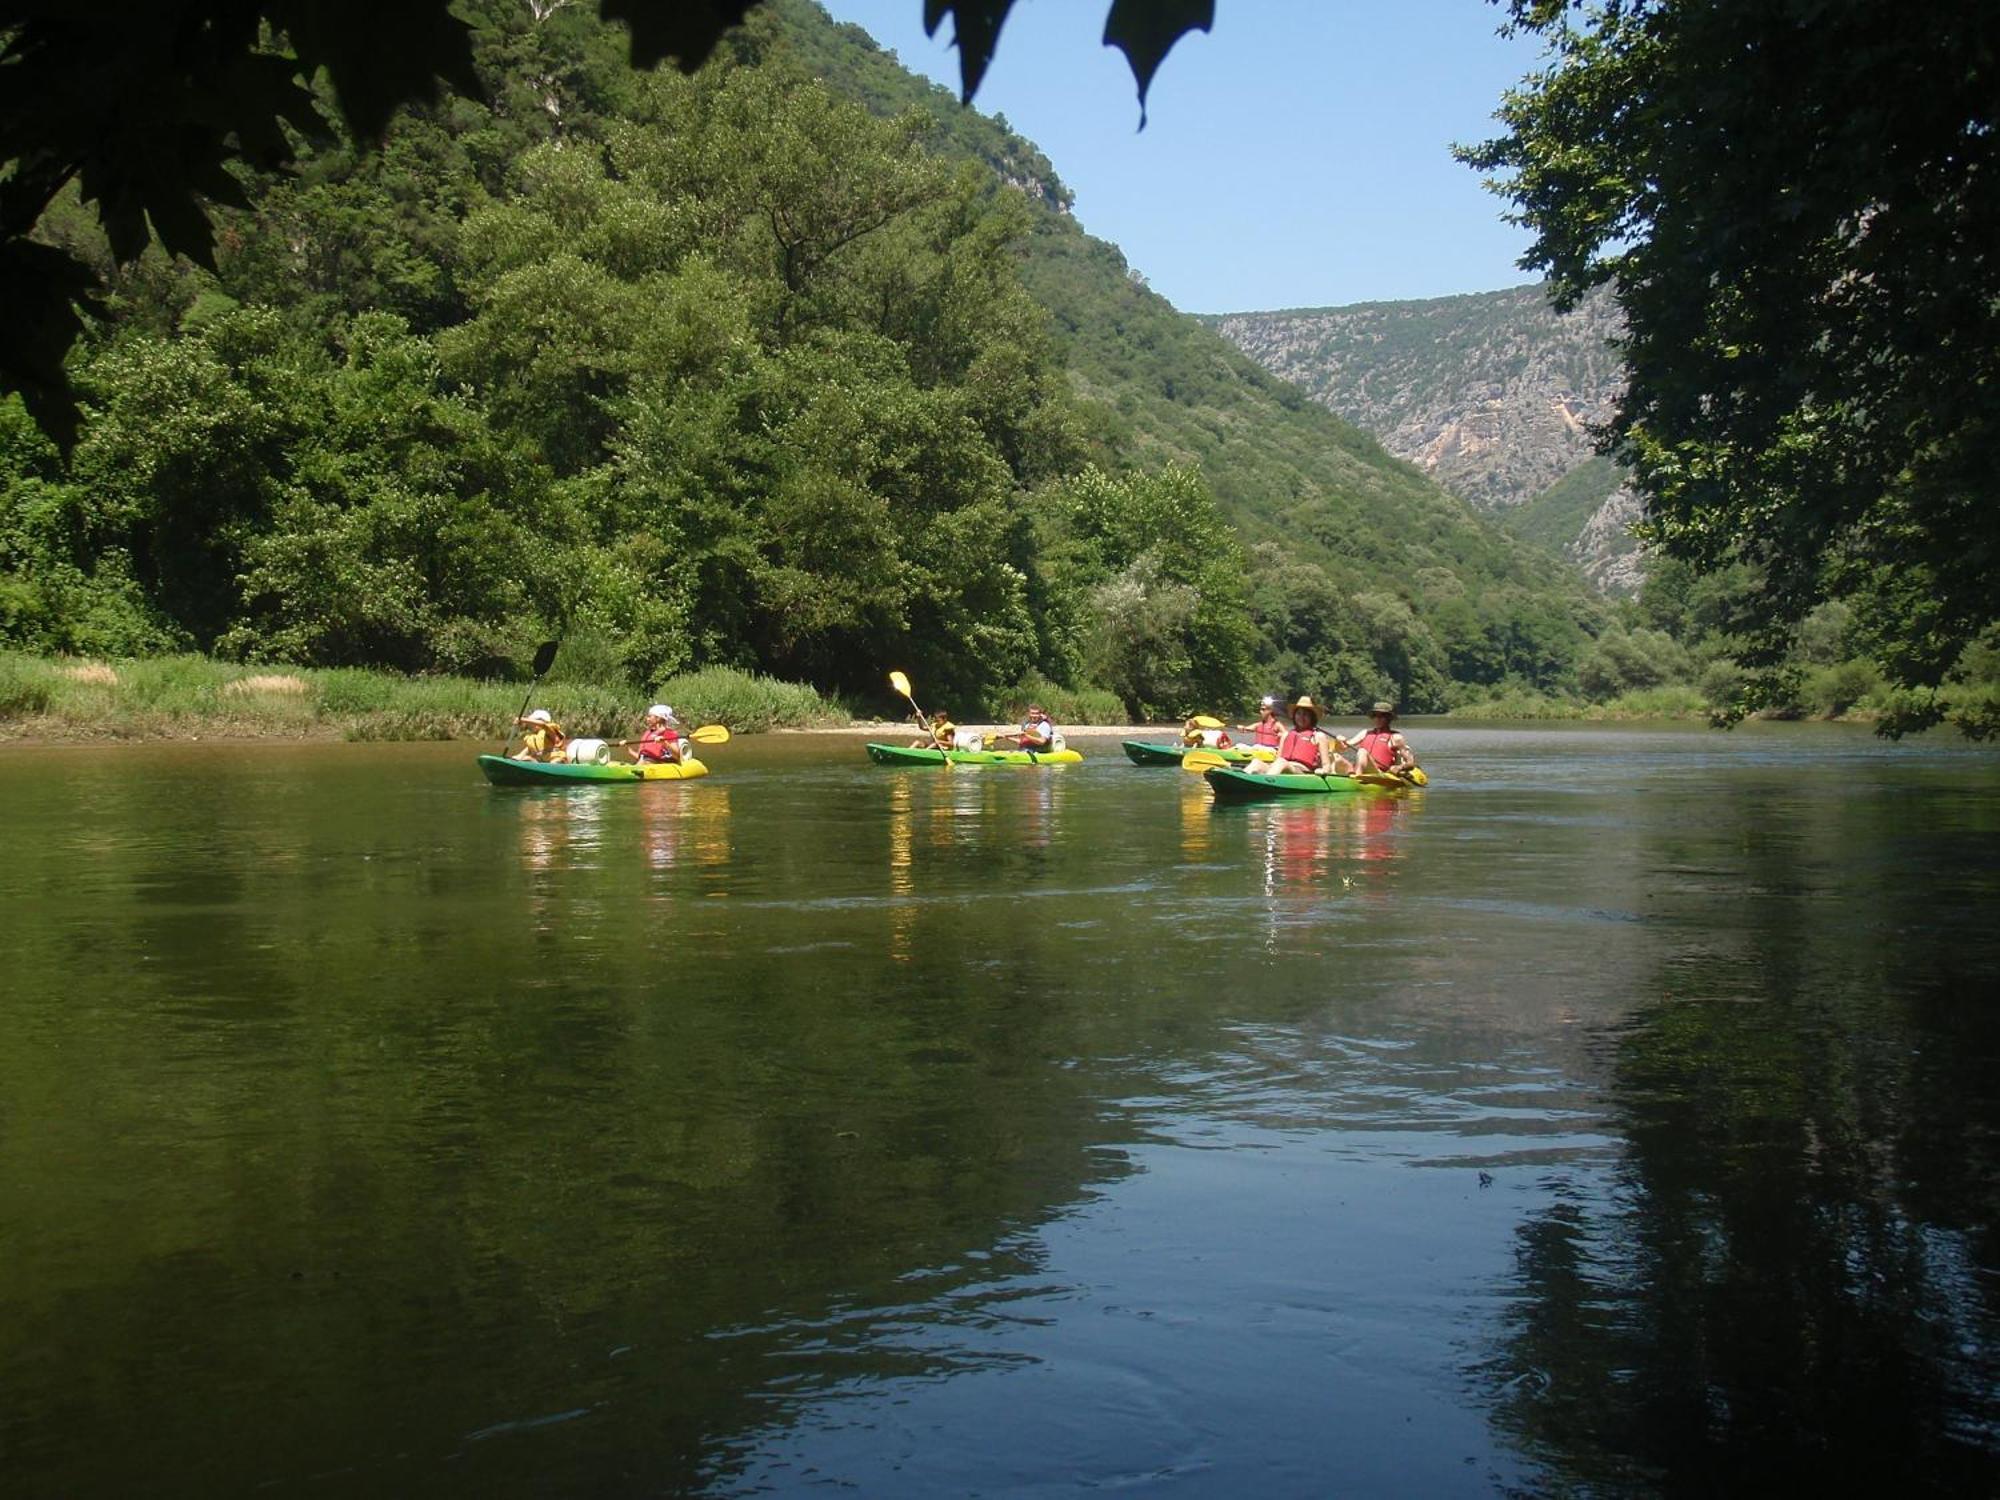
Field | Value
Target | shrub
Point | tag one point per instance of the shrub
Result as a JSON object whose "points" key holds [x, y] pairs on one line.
{"points": [[746, 701], [1086, 705], [25, 687]]}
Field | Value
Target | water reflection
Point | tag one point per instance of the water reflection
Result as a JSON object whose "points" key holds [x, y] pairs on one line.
{"points": [[411, 1137], [1792, 1279]]}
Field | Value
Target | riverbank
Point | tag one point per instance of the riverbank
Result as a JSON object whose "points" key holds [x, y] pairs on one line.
{"points": [[79, 700], [195, 698]]}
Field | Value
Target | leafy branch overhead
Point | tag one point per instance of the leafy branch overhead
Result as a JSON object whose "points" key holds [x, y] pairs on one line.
{"points": [[1144, 30], [154, 107]]}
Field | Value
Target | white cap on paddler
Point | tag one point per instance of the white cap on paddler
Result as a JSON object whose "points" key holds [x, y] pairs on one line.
{"points": [[541, 716], [660, 711]]}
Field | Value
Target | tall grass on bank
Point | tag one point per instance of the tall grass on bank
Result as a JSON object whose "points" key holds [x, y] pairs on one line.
{"points": [[745, 701], [181, 697]]}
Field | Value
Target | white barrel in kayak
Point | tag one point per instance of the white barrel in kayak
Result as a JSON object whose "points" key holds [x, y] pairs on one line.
{"points": [[967, 739], [589, 752]]}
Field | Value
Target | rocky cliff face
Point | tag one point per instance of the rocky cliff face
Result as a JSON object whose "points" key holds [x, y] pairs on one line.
{"points": [[1492, 394]]}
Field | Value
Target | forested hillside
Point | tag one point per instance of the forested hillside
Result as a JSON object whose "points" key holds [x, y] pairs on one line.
{"points": [[793, 365]]}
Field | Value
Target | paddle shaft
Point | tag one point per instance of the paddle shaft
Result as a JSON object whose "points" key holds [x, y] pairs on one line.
{"points": [[545, 657]]}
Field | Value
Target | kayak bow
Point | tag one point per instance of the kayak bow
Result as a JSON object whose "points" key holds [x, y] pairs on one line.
{"points": [[1145, 753]]}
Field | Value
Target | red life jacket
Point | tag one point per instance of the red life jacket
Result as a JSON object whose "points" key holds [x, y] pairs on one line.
{"points": [[1300, 746], [1268, 734], [654, 742], [1379, 746]]}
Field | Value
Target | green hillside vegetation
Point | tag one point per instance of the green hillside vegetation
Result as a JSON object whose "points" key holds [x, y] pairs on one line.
{"points": [[1551, 521], [731, 371]]}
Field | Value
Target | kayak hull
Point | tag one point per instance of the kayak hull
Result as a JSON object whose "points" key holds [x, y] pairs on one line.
{"points": [[502, 771], [1240, 786], [902, 755], [1144, 753]]}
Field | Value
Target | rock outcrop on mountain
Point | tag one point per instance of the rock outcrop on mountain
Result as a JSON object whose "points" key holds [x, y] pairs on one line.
{"points": [[1493, 394]]}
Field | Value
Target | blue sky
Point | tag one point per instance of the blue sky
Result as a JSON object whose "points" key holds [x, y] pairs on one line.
{"points": [[1296, 156]]}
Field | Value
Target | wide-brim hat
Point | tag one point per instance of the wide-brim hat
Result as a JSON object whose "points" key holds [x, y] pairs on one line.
{"points": [[1304, 700], [541, 716], [1379, 707]]}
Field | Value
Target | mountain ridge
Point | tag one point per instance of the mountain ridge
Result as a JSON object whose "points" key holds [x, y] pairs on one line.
{"points": [[1492, 394]]}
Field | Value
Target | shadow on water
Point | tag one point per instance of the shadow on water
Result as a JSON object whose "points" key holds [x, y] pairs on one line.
{"points": [[1792, 1279]]}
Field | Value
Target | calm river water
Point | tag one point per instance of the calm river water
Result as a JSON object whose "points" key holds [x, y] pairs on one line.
{"points": [[1620, 1116]]}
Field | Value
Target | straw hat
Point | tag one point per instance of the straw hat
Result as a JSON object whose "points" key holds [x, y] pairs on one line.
{"points": [[1305, 702]]}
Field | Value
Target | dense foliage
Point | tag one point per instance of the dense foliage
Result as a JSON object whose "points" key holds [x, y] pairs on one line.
{"points": [[727, 370], [153, 110], [1795, 203]]}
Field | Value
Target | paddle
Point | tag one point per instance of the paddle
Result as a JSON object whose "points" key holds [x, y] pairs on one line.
{"points": [[1206, 721], [902, 685], [1208, 760], [708, 734], [545, 657]]}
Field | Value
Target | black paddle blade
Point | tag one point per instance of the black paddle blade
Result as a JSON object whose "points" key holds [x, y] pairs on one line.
{"points": [[545, 657]]}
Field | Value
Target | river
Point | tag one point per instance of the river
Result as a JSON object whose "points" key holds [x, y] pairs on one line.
{"points": [[1619, 1116]]}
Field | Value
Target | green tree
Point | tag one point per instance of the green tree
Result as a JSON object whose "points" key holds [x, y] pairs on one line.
{"points": [[1793, 203], [1147, 584]]}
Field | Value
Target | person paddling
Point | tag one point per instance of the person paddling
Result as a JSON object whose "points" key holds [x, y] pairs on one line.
{"points": [[661, 743], [1269, 728], [1380, 747], [1037, 733], [1305, 749], [943, 734], [542, 738]]}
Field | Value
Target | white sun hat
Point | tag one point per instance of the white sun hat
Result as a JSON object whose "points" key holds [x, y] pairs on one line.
{"points": [[540, 716], [659, 711]]}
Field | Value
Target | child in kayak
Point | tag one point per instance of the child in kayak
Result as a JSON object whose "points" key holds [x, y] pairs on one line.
{"points": [[1269, 728], [661, 744], [1193, 734], [1305, 749], [542, 738], [943, 735], [1380, 747]]}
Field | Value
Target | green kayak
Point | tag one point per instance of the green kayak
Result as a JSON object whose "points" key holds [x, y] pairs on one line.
{"points": [[1241, 786], [899, 755], [1143, 753], [503, 771]]}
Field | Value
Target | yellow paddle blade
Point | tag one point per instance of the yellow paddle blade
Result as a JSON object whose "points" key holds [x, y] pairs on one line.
{"points": [[900, 683], [1416, 777], [1206, 721], [1202, 760], [710, 734], [1261, 752]]}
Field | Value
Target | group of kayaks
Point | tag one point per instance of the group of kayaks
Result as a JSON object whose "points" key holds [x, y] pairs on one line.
{"points": [[1228, 783], [1223, 766]]}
